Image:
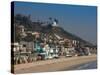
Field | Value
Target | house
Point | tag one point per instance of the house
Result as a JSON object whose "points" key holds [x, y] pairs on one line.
{"points": [[36, 34], [70, 51], [22, 31], [27, 46], [15, 46]]}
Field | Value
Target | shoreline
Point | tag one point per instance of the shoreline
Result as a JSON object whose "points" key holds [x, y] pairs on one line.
{"points": [[54, 64], [81, 66]]}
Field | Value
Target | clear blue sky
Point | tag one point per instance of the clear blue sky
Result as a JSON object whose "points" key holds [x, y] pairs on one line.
{"points": [[79, 20]]}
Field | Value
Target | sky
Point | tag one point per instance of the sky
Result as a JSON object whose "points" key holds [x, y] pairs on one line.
{"points": [[76, 19]]}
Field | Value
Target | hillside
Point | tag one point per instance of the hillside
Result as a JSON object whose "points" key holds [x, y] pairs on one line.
{"points": [[46, 29]]}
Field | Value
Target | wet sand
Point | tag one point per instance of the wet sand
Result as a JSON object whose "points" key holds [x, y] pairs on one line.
{"points": [[53, 64]]}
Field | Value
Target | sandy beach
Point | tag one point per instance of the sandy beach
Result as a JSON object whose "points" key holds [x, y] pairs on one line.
{"points": [[53, 64]]}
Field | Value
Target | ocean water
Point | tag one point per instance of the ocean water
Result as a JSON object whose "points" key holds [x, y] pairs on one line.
{"points": [[89, 65], [85, 66]]}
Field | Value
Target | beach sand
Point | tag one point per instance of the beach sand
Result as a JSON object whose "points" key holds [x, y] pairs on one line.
{"points": [[53, 64]]}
